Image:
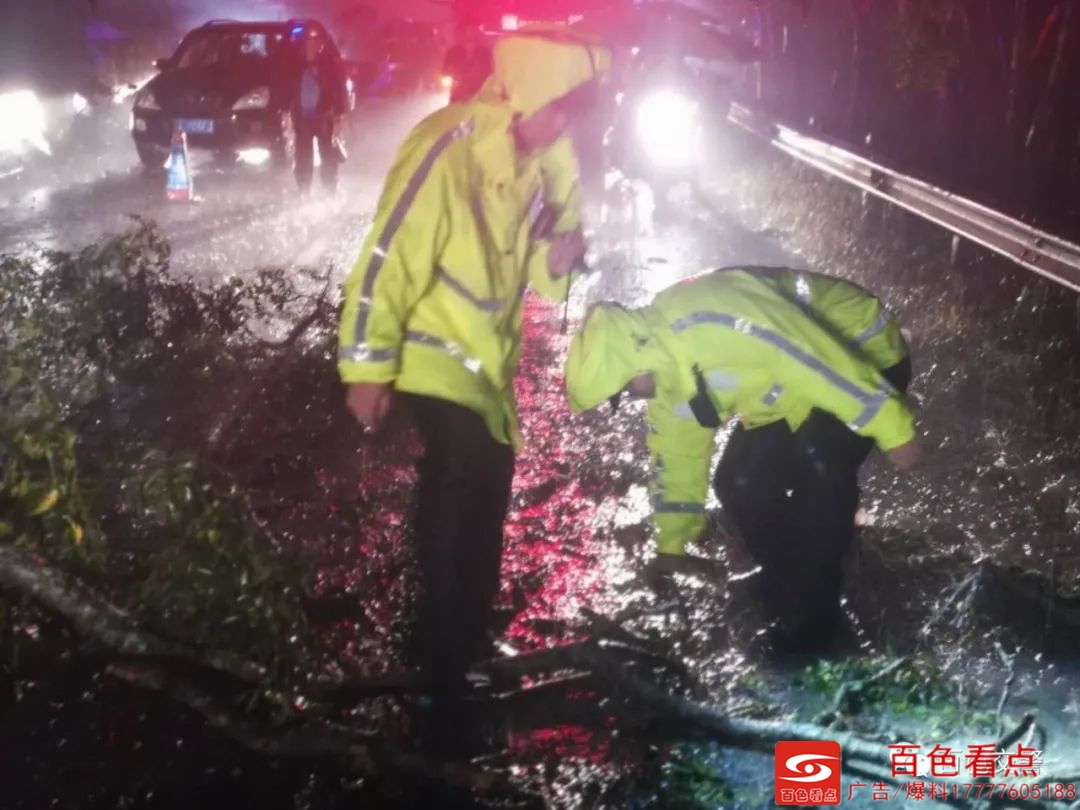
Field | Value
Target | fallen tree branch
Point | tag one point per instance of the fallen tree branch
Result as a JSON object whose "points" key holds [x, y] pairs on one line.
{"points": [[241, 399], [150, 662], [1010, 663], [959, 590], [552, 659], [146, 661], [659, 608], [846, 688], [355, 691], [569, 701], [101, 622], [305, 739], [1026, 724], [318, 312], [601, 625], [646, 649], [758, 735]]}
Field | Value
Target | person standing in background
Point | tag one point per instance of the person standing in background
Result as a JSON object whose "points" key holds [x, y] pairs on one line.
{"points": [[320, 100], [468, 63]]}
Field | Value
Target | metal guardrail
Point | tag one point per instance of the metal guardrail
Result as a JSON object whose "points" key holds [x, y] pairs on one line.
{"points": [[1042, 252]]}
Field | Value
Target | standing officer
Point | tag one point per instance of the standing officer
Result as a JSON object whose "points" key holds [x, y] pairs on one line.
{"points": [[320, 100], [432, 314], [814, 367]]}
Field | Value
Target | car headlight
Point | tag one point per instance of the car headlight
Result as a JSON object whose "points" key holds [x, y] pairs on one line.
{"points": [[667, 126], [255, 100], [146, 100], [22, 122]]}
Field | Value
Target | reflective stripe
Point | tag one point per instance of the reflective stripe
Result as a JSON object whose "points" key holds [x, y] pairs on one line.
{"points": [[872, 408], [684, 411], [536, 204], [802, 289], [772, 395], [364, 354], [535, 209], [724, 380], [658, 480], [873, 329], [448, 346], [483, 304], [780, 342], [680, 508], [393, 223], [669, 507]]}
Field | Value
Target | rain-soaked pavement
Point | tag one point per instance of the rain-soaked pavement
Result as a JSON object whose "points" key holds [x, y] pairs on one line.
{"points": [[247, 215], [965, 544]]}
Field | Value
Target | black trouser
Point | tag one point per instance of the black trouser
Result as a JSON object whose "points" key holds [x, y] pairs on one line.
{"points": [[463, 494], [308, 130], [793, 496]]}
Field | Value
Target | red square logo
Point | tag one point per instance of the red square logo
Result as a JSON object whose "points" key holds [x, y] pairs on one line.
{"points": [[807, 773]]}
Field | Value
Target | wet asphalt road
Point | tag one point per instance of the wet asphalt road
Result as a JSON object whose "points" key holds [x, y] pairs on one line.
{"points": [[246, 216], [252, 216], [999, 484]]}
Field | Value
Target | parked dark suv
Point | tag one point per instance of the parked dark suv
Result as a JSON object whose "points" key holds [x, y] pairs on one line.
{"points": [[230, 87]]}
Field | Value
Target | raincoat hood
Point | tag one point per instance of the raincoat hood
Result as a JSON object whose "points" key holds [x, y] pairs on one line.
{"points": [[537, 66], [613, 346]]}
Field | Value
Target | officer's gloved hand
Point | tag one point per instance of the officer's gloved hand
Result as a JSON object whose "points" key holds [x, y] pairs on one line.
{"points": [[906, 456], [369, 402], [567, 252]]}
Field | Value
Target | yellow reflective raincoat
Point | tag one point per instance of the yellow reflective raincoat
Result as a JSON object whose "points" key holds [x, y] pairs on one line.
{"points": [[762, 343], [433, 305]]}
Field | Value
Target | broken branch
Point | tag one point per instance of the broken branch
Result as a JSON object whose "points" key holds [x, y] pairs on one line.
{"points": [[97, 620], [1010, 662], [761, 735], [304, 739]]}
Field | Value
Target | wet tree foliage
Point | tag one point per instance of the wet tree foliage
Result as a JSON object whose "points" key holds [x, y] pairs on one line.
{"points": [[691, 781], [214, 578], [41, 496], [115, 382]]}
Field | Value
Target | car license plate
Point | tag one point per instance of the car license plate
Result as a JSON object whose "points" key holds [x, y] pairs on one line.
{"points": [[196, 126]]}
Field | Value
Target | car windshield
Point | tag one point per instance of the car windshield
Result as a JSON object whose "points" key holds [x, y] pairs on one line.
{"points": [[229, 49]]}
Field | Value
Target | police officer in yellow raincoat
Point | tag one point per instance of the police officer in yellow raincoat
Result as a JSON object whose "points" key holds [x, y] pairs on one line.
{"points": [[814, 367], [432, 313]]}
